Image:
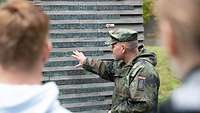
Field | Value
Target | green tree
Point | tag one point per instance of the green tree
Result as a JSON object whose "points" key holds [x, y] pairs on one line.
{"points": [[147, 9], [1, 1]]}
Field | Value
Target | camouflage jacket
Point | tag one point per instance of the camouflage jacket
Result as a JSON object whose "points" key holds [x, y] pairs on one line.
{"points": [[136, 83]]}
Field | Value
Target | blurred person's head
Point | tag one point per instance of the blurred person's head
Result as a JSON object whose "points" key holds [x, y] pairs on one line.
{"points": [[23, 37], [179, 23], [124, 44]]}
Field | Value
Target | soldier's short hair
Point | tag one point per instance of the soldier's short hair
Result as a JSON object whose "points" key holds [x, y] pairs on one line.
{"points": [[23, 32], [132, 45]]}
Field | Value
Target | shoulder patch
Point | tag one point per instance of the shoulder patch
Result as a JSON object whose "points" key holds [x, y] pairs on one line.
{"points": [[141, 83]]}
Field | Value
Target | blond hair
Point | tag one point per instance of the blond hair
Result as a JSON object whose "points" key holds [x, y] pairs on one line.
{"points": [[23, 32]]}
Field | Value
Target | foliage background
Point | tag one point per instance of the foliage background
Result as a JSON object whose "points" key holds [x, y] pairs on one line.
{"points": [[168, 82], [2, 1], [147, 9]]}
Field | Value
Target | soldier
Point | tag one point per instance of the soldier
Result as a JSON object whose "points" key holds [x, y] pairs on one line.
{"points": [[179, 22], [136, 81]]}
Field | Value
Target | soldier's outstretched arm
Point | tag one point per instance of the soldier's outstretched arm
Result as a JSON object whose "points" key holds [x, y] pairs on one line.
{"points": [[103, 69]]}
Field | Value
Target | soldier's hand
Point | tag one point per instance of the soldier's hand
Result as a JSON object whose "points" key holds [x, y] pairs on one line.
{"points": [[109, 111], [80, 57]]}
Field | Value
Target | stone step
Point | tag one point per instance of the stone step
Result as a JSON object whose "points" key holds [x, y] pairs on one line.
{"points": [[82, 49], [86, 88], [91, 34], [65, 68], [82, 39], [60, 59], [64, 71], [94, 111], [94, 53], [83, 95], [78, 44], [80, 81], [96, 96], [86, 106], [92, 3], [80, 16], [97, 27], [135, 11], [69, 77], [87, 7], [133, 20], [70, 61], [77, 33]]}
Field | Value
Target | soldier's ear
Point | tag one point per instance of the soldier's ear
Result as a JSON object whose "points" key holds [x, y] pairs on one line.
{"points": [[123, 48]]}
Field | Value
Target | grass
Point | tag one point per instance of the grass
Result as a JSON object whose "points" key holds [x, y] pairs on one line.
{"points": [[168, 81]]}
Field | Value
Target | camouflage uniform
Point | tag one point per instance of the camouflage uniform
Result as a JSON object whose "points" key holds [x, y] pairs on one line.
{"points": [[136, 83]]}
